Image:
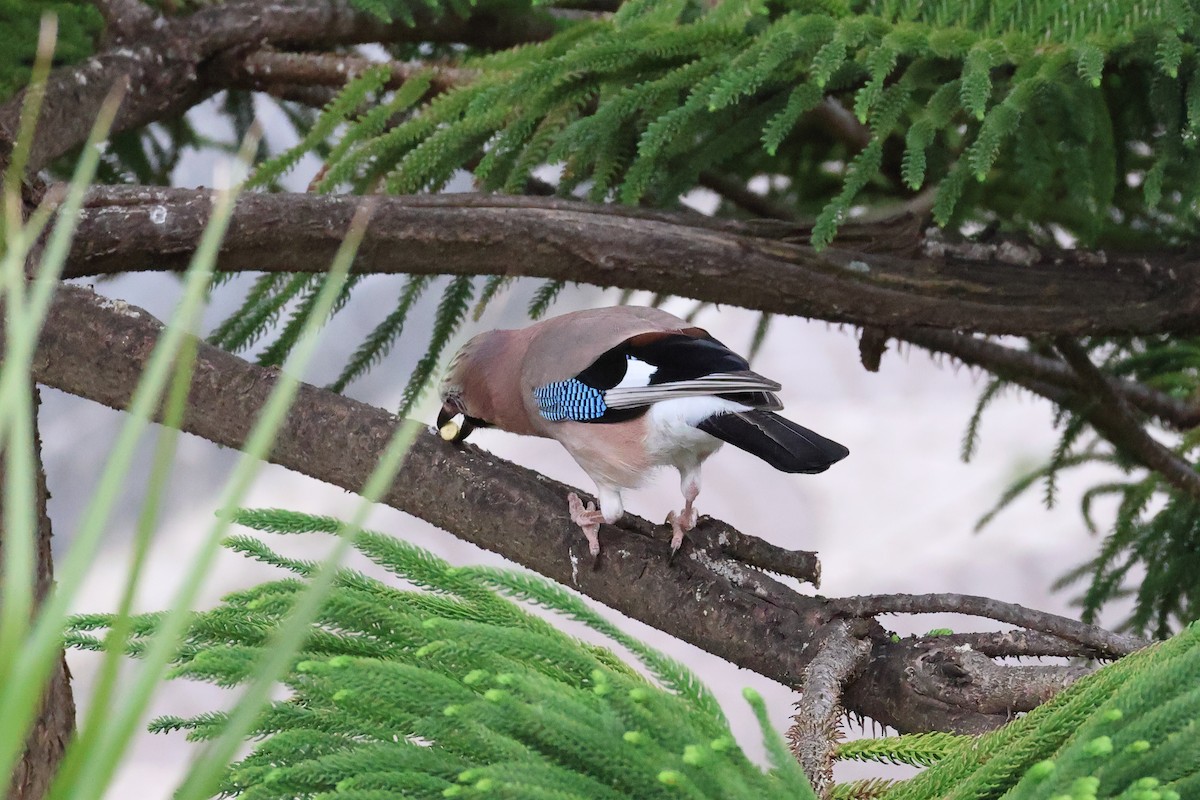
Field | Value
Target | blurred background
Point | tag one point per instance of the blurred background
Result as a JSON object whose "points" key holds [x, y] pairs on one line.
{"points": [[898, 515]]}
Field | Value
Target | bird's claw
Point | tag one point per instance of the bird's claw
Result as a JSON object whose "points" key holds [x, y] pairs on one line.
{"points": [[681, 523], [588, 518]]}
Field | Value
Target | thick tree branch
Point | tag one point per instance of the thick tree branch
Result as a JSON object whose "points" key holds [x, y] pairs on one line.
{"points": [[315, 23], [97, 349], [945, 674], [124, 19], [1030, 370], [129, 229], [54, 724], [1111, 645]]}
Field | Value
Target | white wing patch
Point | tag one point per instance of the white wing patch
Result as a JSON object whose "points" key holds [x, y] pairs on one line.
{"points": [[637, 374]]}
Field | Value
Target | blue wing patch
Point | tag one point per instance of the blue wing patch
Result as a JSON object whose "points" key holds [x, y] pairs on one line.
{"points": [[570, 399]]}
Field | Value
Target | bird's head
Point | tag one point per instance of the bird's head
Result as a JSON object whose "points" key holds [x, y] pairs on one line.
{"points": [[453, 423], [464, 402]]}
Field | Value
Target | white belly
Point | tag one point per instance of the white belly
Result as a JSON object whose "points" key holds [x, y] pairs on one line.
{"points": [[672, 438], [624, 455]]}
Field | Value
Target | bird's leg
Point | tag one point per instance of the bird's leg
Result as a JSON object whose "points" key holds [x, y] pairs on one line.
{"points": [[588, 518], [685, 520]]}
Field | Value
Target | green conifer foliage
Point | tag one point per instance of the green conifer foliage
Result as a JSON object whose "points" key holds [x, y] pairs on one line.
{"points": [[447, 689], [450, 690], [79, 24], [1152, 550], [637, 106]]}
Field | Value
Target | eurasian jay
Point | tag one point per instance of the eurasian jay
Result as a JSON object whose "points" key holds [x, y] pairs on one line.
{"points": [[625, 390]]}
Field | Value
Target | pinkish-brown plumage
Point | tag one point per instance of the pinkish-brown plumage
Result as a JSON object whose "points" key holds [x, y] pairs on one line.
{"points": [[644, 385]]}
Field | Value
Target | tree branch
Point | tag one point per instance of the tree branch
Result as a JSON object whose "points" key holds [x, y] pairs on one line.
{"points": [[751, 550], [945, 674], [1034, 372], [1029, 370], [97, 349], [54, 724], [124, 19], [1017, 644], [267, 71], [316, 23], [129, 229], [1110, 645], [1110, 414], [812, 738], [167, 60]]}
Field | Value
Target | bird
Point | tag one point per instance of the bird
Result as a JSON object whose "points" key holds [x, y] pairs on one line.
{"points": [[626, 390]]}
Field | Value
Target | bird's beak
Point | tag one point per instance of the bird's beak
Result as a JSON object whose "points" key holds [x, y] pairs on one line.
{"points": [[452, 422]]}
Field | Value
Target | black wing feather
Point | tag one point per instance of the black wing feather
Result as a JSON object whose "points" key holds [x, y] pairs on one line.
{"points": [[677, 356], [783, 444]]}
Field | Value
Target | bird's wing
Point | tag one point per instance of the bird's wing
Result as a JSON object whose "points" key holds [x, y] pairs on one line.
{"points": [[721, 383], [649, 368], [780, 442]]}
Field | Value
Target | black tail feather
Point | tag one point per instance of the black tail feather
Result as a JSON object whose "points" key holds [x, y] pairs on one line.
{"points": [[783, 444]]}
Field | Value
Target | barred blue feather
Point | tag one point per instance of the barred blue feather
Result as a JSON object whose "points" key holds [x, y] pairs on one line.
{"points": [[570, 399]]}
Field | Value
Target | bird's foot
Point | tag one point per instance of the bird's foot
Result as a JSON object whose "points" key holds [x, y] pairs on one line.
{"points": [[588, 518], [681, 523]]}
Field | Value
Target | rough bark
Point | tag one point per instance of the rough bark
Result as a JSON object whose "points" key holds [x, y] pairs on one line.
{"points": [[814, 734], [97, 348], [269, 71], [1106, 642], [755, 266], [55, 721], [939, 672]]}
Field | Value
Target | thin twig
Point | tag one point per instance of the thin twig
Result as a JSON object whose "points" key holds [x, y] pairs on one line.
{"points": [[812, 737], [1111, 415], [1033, 371], [841, 124], [725, 541], [1104, 642], [737, 193], [1019, 644], [267, 70]]}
